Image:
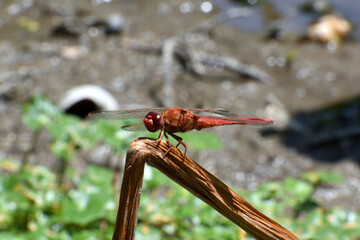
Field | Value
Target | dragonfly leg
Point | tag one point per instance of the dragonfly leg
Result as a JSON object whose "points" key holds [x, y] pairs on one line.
{"points": [[170, 144], [180, 141], [160, 136]]}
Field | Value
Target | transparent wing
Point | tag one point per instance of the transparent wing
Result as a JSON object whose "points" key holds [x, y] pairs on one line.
{"points": [[125, 114], [220, 112], [134, 127], [253, 121], [141, 113]]}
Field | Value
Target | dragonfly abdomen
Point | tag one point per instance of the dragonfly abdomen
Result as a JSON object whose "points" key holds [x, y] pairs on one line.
{"points": [[206, 122]]}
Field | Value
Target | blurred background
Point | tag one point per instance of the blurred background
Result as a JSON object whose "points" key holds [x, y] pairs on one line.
{"points": [[296, 62]]}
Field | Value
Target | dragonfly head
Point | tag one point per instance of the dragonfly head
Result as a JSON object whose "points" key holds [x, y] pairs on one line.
{"points": [[153, 121]]}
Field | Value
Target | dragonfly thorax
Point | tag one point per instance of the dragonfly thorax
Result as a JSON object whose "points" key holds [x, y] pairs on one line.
{"points": [[153, 121]]}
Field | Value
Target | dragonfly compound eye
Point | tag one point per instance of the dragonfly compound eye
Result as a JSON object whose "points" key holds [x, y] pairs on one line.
{"points": [[153, 121]]}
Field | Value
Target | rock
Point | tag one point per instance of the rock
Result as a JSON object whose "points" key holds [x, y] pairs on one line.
{"points": [[277, 111], [74, 51], [329, 28], [83, 99], [103, 155], [114, 24]]}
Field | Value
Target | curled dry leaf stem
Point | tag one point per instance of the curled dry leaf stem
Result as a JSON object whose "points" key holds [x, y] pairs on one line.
{"points": [[195, 179]]}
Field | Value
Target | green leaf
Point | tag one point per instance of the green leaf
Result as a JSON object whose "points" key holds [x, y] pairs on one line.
{"points": [[10, 236], [300, 189], [38, 112], [62, 150], [38, 233], [67, 136], [9, 165], [110, 133], [100, 177], [321, 176], [65, 125], [86, 235], [146, 232], [94, 199]]}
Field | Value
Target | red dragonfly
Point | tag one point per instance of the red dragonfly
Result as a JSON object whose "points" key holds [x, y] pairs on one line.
{"points": [[174, 119]]}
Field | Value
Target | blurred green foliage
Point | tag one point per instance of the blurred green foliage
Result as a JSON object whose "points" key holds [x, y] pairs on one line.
{"points": [[34, 205]]}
